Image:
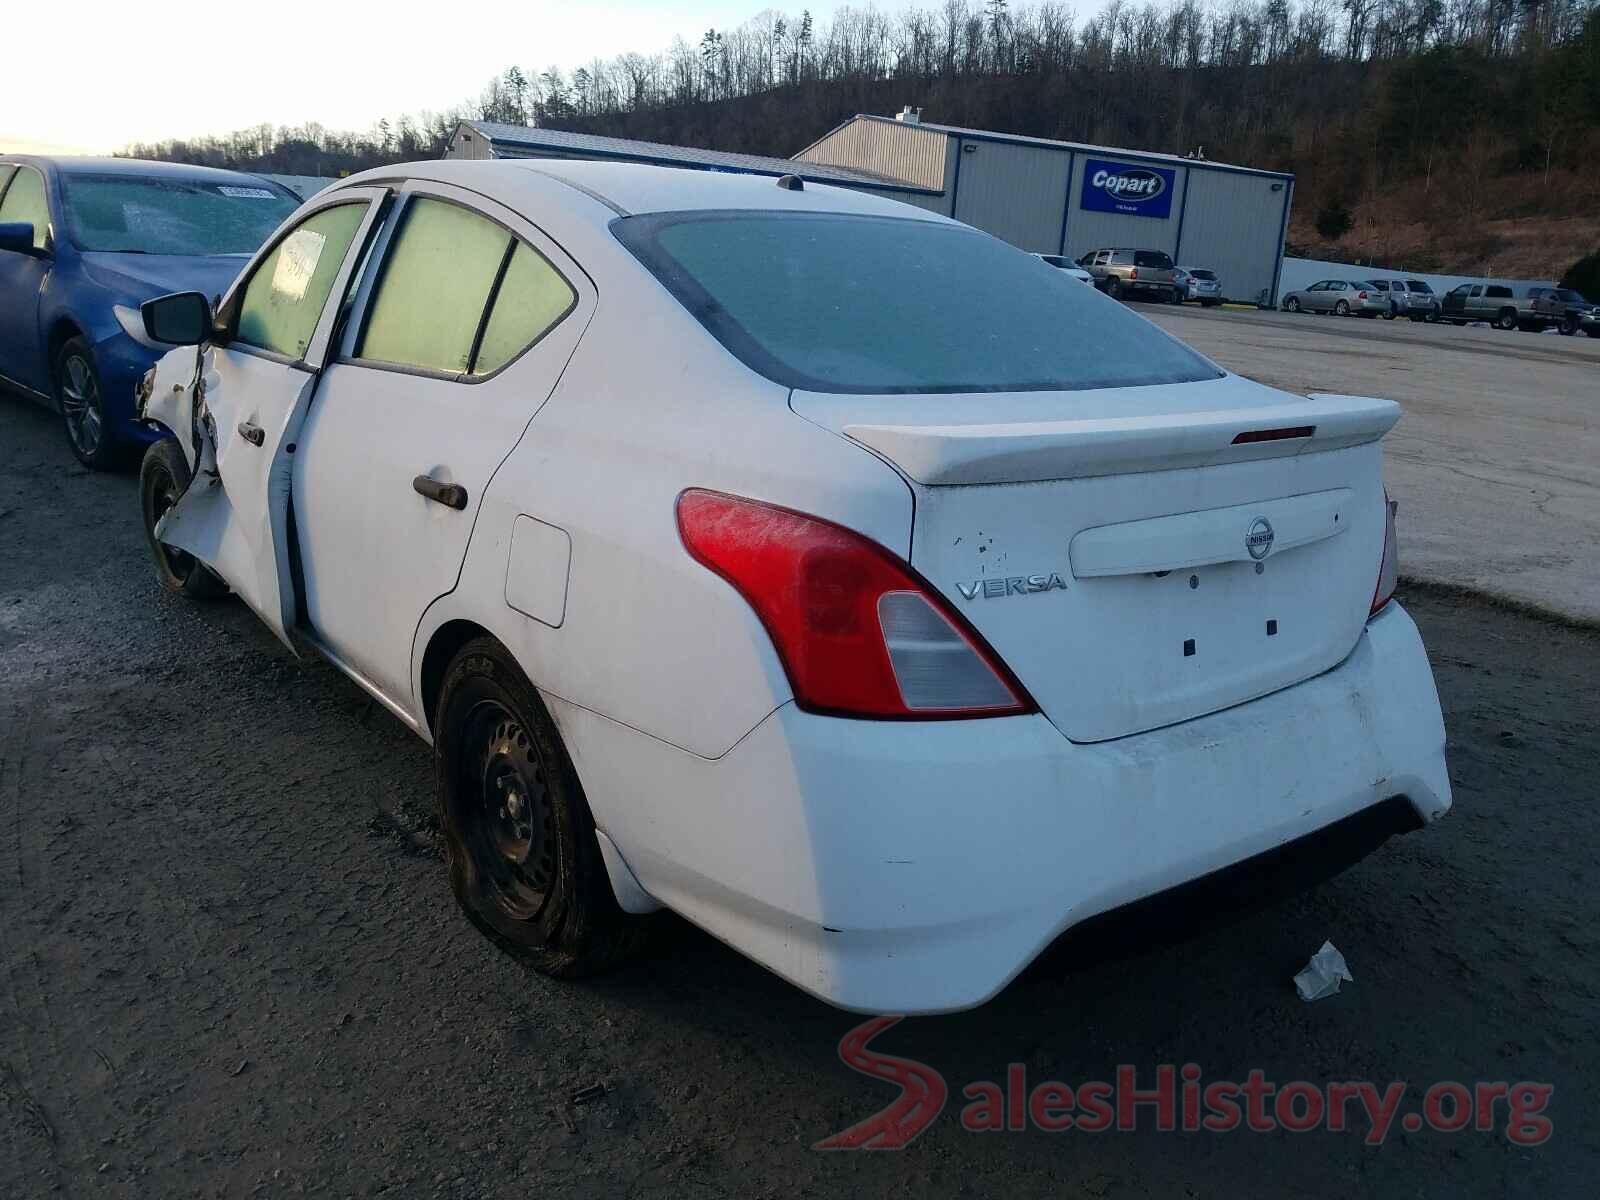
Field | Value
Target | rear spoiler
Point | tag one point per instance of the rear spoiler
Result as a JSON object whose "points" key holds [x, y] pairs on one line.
{"points": [[1031, 451]]}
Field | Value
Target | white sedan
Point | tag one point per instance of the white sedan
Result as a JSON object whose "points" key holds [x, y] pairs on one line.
{"points": [[764, 551], [1067, 267]]}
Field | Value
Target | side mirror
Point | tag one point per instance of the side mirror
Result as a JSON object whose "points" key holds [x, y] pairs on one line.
{"points": [[181, 319], [18, 236]]}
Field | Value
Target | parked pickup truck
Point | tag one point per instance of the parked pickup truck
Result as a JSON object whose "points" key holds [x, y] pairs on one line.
{"points": [[1125, 274]]}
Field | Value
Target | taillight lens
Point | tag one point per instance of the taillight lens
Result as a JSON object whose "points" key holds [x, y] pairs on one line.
{"points": [[1133, 274], [858, 631], [1389, 568]]}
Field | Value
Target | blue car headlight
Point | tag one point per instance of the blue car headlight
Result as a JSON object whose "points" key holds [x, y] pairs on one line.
{"points": [[132, 322]]}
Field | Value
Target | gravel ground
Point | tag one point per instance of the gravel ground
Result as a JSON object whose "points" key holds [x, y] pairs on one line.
{"points": [[229, 964], [1496, 460]]}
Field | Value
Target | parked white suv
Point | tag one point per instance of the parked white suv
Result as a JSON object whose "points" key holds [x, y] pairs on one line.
{"points": [[814, 566]]}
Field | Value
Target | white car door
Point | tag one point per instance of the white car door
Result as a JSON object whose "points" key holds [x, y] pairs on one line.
{"points": [[461, 326], [254, 389]]}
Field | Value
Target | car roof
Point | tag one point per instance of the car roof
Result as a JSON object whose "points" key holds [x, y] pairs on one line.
{"points": [[67, 164], [636, 188]]}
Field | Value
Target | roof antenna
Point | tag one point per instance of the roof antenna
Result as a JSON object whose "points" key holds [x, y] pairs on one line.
{"points": [[791, 183]]}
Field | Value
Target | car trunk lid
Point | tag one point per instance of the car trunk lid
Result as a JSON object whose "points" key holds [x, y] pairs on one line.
{"points": [[1140, 556]]}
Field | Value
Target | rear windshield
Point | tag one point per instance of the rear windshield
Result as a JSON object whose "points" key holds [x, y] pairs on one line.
{"points": [[151, 215], [1202, 273], [1416, 285], [1152, 258], [840, 303]]}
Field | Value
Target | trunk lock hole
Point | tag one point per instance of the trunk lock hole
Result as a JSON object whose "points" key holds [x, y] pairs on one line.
{"points": [[1194, 582], [1272, 629], [1260, 567], [1188, 648]]}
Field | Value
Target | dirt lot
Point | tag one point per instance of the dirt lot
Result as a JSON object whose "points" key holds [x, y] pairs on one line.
{"points": [[223, 972], [1496, 462]]}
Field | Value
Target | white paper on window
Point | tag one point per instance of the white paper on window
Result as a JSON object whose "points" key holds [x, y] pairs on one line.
{"points": [[297, 263]]}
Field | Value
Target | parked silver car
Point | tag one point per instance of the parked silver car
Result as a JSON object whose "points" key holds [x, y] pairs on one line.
{"points": [[1342, 297], [1203, 285], [1421, 304]]}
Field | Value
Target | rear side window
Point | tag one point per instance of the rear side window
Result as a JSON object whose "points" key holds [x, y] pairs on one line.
{"points": [[1154, 259], [843, 303], [1499, 293], [532, 298], [435, 306], [284, 299], [24, 201]]}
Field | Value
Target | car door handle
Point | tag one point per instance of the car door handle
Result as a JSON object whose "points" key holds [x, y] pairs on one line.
{"points": [[252, 433], [451, 495]]}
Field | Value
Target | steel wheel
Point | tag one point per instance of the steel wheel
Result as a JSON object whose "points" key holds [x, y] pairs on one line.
{"points": [[80, 405], [160, 493], [163, 479], [509, 831]]}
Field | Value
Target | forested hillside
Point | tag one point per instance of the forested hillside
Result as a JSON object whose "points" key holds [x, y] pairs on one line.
{"points": [[1443, 134]]}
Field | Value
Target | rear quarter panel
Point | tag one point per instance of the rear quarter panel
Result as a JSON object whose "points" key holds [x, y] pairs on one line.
{"points": [[651, 405]]}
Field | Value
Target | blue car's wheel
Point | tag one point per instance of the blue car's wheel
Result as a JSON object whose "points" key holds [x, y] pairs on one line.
{"points": [[83, 410]]}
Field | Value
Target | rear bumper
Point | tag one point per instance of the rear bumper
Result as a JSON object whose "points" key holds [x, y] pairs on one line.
{"points": [[917, 867]]}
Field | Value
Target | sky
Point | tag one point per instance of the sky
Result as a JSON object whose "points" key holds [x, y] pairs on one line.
{"points": [[100, 75]]}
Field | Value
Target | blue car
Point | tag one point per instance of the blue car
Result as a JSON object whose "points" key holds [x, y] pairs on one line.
{"points": [[85, 241]]}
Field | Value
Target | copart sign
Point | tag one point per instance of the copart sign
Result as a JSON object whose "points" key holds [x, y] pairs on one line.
{"points": [[1127, 188]]}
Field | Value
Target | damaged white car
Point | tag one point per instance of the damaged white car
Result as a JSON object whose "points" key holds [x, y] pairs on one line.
{"points": [[809, 564]]}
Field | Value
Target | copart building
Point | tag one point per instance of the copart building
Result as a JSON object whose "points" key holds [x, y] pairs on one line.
{"points": [[1046, 196]]}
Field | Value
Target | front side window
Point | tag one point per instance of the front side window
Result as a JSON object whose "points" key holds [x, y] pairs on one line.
{"points": [[836, 302], [459, 294], [156, 215], [284, 299], [24, 202]]}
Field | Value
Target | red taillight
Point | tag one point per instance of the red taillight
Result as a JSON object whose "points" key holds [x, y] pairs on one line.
{"points": [[1361, 295], [858, 631], [1389, 568], [1133, 274]]}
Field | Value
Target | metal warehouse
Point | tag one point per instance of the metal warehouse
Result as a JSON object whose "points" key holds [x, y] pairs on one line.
{"points": [[1068, 198], [1046, 196]]}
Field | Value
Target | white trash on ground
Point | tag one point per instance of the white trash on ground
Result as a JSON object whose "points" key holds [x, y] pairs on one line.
{"points": [[1323, 974]]}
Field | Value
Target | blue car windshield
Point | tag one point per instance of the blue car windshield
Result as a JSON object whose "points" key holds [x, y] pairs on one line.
{"points": [[152, 215]]}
